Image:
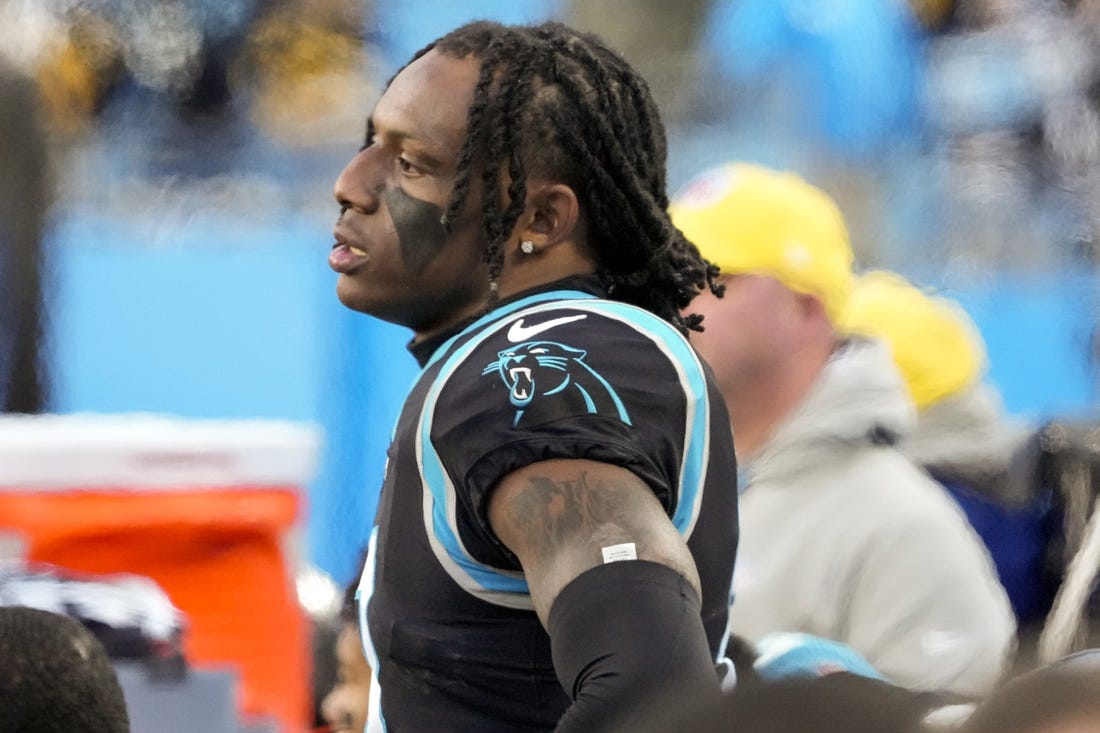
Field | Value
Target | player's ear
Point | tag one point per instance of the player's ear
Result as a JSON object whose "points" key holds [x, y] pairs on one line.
{"points": [[552, 216]]}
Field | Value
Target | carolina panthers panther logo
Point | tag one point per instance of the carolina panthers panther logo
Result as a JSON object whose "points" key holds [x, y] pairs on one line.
{"points": [[538, 372]]}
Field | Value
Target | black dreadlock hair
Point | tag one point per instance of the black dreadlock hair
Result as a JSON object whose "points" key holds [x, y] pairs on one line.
{"points": [[551, 100]]}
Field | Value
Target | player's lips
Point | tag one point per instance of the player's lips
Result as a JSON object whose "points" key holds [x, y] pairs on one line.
{"points": [[345, 255]]}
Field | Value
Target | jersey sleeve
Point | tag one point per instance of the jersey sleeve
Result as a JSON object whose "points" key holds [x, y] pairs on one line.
{"points": [[612, 384]]}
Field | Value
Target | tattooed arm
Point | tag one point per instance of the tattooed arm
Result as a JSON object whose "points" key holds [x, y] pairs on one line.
{"points": [[557, 515], [626, 635]]}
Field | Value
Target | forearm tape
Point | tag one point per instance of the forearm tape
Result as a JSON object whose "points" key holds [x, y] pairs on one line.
{"points": [[624, 636]]}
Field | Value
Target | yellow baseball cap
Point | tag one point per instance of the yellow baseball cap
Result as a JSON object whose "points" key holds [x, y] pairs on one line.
{"points": [[751, 220], [936, 345]]}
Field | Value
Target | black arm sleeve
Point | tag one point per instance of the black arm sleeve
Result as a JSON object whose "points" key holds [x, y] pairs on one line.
{"points": [[627, 638]]}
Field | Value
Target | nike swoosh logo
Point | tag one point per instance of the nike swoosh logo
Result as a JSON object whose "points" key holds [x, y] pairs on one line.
{"points": [[518, 332]]}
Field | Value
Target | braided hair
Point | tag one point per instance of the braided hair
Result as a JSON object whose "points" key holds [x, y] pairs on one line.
{"points": [[553, 101]]}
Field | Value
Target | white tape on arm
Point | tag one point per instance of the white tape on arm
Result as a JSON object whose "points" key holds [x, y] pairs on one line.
{"points": [[614, 553]]}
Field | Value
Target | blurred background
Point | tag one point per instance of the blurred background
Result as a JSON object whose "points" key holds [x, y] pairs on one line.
{"points": [[166, 170]]}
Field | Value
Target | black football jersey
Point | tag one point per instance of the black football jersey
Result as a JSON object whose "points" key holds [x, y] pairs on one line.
{"points": [[449, 627]]}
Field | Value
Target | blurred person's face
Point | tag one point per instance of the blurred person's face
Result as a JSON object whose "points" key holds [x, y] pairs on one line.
{"points": [[396, 261], [747, 331], [346, 705]]}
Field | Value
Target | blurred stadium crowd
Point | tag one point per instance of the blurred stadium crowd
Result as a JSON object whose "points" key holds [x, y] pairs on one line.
{"points": [[953, 133], [959, 138]]}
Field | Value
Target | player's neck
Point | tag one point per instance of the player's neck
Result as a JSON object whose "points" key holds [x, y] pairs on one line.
{"points": [[523, 272]]}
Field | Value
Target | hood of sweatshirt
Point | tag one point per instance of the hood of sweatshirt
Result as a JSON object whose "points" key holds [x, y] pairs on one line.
{"points": [[859, 398]]}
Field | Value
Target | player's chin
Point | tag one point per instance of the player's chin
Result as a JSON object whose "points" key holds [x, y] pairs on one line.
{"points": [[353, 294]]}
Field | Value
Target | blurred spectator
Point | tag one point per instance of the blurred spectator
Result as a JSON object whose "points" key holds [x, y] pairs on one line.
{"points": [[842, 536], [307, 71], [322, 599], [24, 198], [347, 703], [199, 88], [1012, 96], [1063, 697], [55, 677], [963, 437], [79, 68], [174, 113]]}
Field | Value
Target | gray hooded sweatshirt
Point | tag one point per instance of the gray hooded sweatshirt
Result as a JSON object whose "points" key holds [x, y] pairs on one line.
{"points": [[844, 538]]}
